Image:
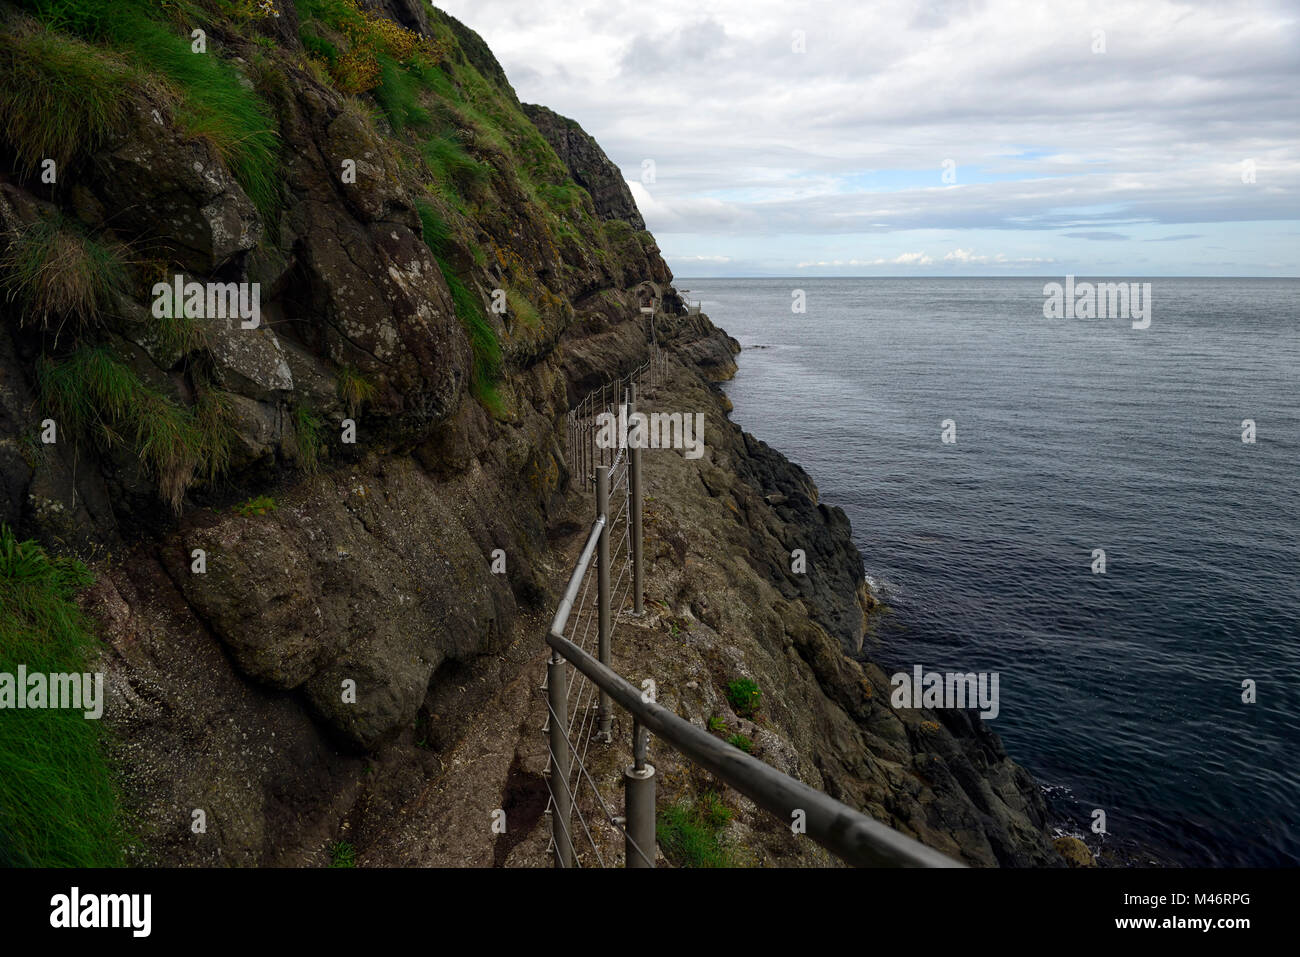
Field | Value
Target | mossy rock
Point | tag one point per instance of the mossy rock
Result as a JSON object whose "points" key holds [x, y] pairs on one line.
{"points": [[1074, 851]]}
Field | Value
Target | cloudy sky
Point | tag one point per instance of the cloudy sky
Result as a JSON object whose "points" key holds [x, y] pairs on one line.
{"points": [[950, 137]]}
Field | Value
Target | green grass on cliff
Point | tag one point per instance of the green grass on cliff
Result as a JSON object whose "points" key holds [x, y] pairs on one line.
{"points": [[93, 394], [58, 271], [354, 390], [469, 310], [398, 95], [59, 97], [434, 228], [209, 99], [308, 428], [58, 803], [451, 165], [690, 832], [450, 96], [524, 312], [482, 340]]}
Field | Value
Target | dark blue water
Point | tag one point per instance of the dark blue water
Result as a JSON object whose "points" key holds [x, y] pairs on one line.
{"points": [[1119, 691]]}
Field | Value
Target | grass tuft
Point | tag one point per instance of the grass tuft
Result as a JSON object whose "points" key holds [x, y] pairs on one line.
{"points": [[211, 102], [92, 393], [398, 95], [523, 311], [55, 269], [59, 97], [342, 854], [355, 390], [451, 165], [435, 230], [486, 371], [58, 802], [180, 333], [690, 833], [307, 426]]}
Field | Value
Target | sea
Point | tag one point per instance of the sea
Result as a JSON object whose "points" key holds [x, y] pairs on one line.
{"points": [[1105, 516]]}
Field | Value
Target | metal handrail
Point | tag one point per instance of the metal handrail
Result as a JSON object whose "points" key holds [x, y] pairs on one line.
{"points": [[846, 833], [561, 618]]}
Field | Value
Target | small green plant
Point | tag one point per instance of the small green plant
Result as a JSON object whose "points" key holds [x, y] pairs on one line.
{"points": [[355, 390], [308, 428], [744, 697], [259, 505], [718, 724], [690, 832], [522, 311], [742, 742], [342, 854]]}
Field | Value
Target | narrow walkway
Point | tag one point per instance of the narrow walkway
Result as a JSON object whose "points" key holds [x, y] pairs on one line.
{"points": [[498, 765]]}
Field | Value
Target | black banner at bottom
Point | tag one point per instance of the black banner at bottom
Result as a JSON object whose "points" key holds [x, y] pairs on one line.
{"points": [[338, 906]]}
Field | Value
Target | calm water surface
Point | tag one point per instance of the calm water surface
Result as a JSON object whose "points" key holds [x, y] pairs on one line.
{"points": [[1119, 691]]}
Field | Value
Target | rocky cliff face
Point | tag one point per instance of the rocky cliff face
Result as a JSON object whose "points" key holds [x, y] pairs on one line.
{"points": [[293, 525], [588, 165]]}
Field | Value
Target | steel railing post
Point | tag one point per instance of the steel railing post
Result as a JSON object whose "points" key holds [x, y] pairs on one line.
{"points": [[562, 801], [639, 801], [634, 487], [606, 714]]}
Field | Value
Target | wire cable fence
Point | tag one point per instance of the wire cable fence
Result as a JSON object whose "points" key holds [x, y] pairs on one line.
{"points": [[584, 454], [580, 719], [592, 823]]}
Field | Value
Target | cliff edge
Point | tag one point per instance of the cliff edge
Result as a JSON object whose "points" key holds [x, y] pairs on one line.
{"points": [[291, 500]]}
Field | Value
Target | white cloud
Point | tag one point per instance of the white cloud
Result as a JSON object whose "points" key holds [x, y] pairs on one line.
{"points": [[753, 141]]}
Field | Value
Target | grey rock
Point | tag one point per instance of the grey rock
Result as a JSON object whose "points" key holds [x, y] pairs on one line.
{"points": [[258, 427], [163, 186], [249, 361]]}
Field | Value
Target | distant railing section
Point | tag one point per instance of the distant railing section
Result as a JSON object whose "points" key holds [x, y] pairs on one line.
{"points": [[582, 426], [585, 824]]}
